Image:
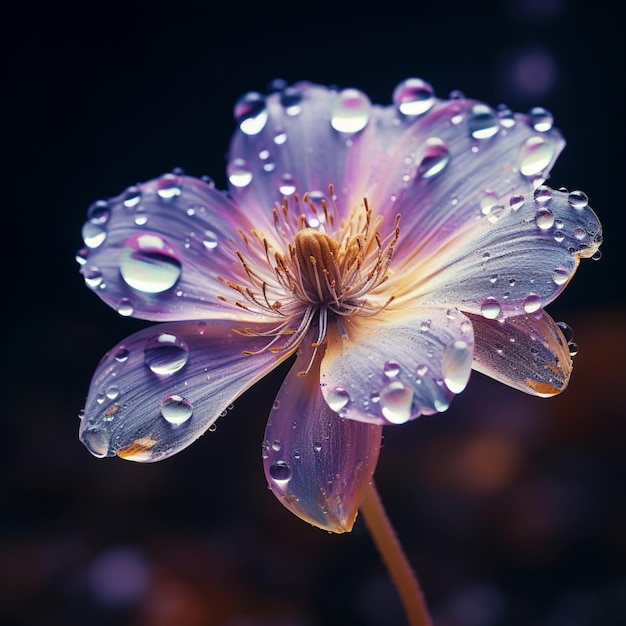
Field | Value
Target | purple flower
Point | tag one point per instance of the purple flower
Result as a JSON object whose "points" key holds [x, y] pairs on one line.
{"points": [[390, 250]]}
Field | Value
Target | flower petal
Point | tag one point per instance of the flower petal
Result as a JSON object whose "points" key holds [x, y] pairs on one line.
{"points": [[389, 369], [155, 251], [300, 139], [528, 352], [160, 389], [517, 263], [317, 463]]}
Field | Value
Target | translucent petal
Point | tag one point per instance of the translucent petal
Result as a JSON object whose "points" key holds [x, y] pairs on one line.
{"points": [[317, 463], [160, 389], [455, 165], [296, 146], [528, 352], [155, 251], [391, 368], [515, 264]]}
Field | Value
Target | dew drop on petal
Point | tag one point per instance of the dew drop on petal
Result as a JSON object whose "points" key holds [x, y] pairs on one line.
{"points": [[287, 185], [168, 187], [540, 119], [97, 441], [567, 331], [280, 472], [435, 158], [148, 264], [490, 308], [482, 122], [535, 155], [125, 307], [414, 96], [560, 276], [456, 366], [422, 370], [94, 233], [516, 202], [291, 100], [350, 111], [396, 401], [544, 219], [543, 194], [132, 197], [578, 199], [338, 399], [176, 410], [532, 302], [121, 354], [239, 173], [391, 369], [209, 240], [251, 113], [165, 354], [93, 277]]}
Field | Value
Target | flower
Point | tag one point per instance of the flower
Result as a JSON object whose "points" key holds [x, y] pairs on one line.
{"points": [[389, 250]]}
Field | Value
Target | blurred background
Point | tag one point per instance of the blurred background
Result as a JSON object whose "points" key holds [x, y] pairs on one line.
{"points": [[512, 509]]}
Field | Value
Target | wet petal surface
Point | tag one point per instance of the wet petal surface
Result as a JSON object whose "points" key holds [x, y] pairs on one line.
{"points": [[160, 389], [316, 463], [395, 368], [528, 352], [155, 251]]}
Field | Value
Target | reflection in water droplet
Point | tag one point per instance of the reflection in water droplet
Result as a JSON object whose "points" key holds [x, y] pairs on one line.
{"points": [[94, 233], [209, 240], [560, 276], [490, 308], [165, 354], [280, 472], [532, 302], [125, 307], [482, 122], [92, 276], [239, 173], [148, 264], [396, 402], [567, 331], [535, 155], [516, 202], [291, 99], [168, 187], [391, 369], [578, 199], [132, 197], [435, 158], [251, 113], [97, 441], [540, 119], [414, 96], [338, 398], [176, 410], [287, 185], [456, 366], [544, 219], [350, 111]]}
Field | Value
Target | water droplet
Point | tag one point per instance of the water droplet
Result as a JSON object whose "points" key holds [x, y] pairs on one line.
{"points": [[132, 197], [490, 308], [165, 354], [540, 119], [560, 276], [92, 276], [280, 472], [396, 402], [99, 211], [482, 122], [391, 369], [535, 155], [580, 233], [168, 187], [422, 370], [94, 233], [176, 410], [506, 116], [414, 96], [543, 194], [148, 264], [112, 393], [317, 446], [97, 441], [350, 111], [532, 302], [456, 366], [125, 307], [239, 173], [544, 218], [435, 158], [578, 199], [265, 449], [573, 348], [209, 240], [251, 113], [338, 399], [567, 331], [141, 217], [276, 445], [291, 99], [287, 185], [516, 202], [121, 355]]}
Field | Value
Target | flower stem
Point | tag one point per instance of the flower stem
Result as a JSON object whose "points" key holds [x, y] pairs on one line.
{"points": [[393, 555]]}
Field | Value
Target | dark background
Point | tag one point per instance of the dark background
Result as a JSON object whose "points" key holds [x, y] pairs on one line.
{"points": [[511, 508]]}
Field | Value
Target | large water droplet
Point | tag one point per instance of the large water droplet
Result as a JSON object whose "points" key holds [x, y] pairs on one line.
{"points": [[540, 119], [482, 122], [396, 402], [490, 308], [578, 199], [251, 113], [532, 302], [280, 472], [350, 111], [414, 96], [148, 264], [165, 354], [535, 155], [94, 233], [238, 172], [435, 158], [338, 398], [176, 410], [456, 366], [544, 219], [97, 441]]}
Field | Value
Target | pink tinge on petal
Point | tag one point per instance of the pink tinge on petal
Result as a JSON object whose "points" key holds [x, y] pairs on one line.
{"points": [[160, 389], [528, 352], [316, 463]]}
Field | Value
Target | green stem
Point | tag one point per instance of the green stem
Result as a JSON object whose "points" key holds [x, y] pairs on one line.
{"points": [[391, 551]]}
